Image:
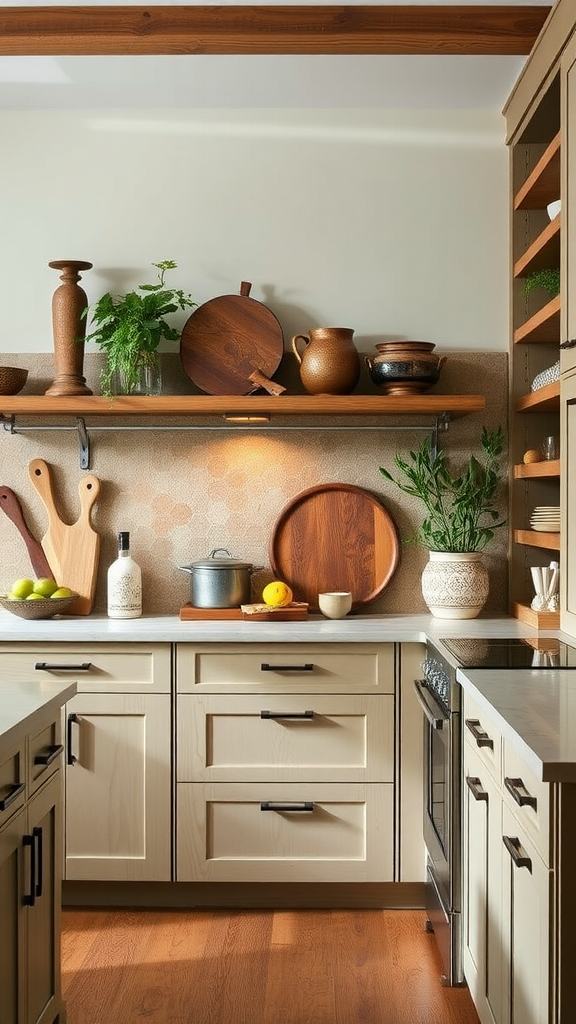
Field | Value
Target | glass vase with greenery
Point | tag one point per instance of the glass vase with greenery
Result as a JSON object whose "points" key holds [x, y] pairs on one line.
{"points": [[129, 329], [460, 507]]}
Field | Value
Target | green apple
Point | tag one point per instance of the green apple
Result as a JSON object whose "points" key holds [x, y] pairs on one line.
{"points": [[45, 586], [21, 588], [34, 597], [63, 592]]}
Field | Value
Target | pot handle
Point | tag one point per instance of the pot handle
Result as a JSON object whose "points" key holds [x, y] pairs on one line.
{"points": [[215, 551], [185, 568], [368, 362], [296, 338]]}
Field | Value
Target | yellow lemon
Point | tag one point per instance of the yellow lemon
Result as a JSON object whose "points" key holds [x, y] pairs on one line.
{"points": [[277, 594]]}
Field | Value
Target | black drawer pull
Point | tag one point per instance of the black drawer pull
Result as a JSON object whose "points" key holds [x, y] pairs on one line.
{"points": [[265, 667], [518, 790], [29, 898], [482, 738], [12, 795], [72, 719], [37, 837], [305, 715], [569, 344], [272, 805], [51, 754], [517, 852], [475, 787], [48, 666]]}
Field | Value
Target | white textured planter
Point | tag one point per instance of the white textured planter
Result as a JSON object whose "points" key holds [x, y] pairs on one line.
{"points": [[455, 584]]}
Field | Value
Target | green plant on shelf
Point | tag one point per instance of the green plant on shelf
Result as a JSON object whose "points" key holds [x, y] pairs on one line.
{"points": [[547, 279]]}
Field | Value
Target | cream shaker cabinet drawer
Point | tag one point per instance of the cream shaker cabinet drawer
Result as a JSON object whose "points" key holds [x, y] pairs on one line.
{"points": [[292, 668], [274, 737], [293, 832], [529, 800], [94, 667], [485, 737]]}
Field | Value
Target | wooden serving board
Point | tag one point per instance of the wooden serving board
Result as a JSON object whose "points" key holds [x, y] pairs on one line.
{"points": [[291, 613], [72, 550], [10, 504], [228, 339], [335, 537]]}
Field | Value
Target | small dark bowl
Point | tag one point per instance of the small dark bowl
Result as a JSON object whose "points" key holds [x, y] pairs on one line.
{"points": [[12, 379], [404, 375]]}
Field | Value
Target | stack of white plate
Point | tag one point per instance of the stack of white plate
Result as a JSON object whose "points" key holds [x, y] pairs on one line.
{"points": [[546, 518]]}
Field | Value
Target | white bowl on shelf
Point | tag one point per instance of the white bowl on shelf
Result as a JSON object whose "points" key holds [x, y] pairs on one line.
{"points": [[553, 209]]}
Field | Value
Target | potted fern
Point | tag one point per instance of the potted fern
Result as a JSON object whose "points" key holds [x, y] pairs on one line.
{"points": [[129, 329], [461, 516]]}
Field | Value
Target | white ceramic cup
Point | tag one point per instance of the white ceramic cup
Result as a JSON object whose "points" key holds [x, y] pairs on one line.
{"points": [[335, 605]]}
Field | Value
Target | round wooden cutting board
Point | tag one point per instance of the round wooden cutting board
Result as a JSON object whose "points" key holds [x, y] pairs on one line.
{"points": [[226, 339], [335, 537]]}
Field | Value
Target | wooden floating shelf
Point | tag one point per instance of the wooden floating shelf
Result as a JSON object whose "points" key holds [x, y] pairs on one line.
{"points": [[243, 405], [535, 539], [546, 399], [542, 186], [540, 620], [537, 470], [543, 326]]}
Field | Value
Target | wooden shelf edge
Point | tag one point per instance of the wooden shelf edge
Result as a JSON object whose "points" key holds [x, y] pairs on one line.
{"points": [[535, 257], [537, 470], [543, 326], [243, 405], [540, 620], [547, 167], [545, 399], [534, 539]]}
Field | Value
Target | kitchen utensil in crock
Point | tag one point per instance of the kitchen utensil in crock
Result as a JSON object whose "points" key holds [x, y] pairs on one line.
{"points": [[72, 551], [11, 506], [219, 581], [335, 537], [329, 362], [229, 338]]}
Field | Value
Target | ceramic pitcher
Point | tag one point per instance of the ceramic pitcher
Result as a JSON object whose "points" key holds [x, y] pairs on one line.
{"points": [[329, 362]]}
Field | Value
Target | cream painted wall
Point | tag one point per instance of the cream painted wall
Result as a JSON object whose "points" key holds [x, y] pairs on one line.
{"points": [[393, 222]]}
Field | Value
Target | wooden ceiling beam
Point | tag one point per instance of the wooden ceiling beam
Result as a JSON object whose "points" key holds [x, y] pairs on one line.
{"points": [[62, 31]]}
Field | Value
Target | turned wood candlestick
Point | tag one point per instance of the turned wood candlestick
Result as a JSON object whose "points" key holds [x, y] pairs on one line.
{"points": [[69, 329]]}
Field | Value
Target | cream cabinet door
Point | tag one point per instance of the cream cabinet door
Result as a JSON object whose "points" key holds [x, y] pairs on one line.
{"points": [[118, 807], [13, 960], [568, 504], [568, 212]]}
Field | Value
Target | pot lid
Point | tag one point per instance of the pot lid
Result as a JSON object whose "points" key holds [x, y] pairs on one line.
{"points": [[215, 560]]}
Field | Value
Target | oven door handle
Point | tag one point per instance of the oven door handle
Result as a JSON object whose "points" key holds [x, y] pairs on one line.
{"points": [[435, 713]]}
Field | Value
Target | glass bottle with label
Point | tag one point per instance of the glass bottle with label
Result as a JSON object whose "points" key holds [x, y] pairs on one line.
{"points": [[124, 583]]}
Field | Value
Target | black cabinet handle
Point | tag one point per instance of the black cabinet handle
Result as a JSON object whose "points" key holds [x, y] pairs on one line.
{"points": [[49, 666], [37, 838], [11, 797], [482, 738], [518, 790], [301, 715], [265, 667], [569, 344], [273, 805], [72, 719], [475, 787], [519, 856], [29, 899], [51, 754]]}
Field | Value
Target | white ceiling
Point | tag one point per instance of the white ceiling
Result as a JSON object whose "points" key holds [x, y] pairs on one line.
{"points": [[204, 81]]}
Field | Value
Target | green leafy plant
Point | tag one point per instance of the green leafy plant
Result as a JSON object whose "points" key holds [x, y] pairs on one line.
{"points": [[129, 328], [460, 513], [547, 279]]}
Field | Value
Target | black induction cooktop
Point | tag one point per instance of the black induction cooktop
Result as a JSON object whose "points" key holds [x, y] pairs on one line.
{"points": [[511, 652]]}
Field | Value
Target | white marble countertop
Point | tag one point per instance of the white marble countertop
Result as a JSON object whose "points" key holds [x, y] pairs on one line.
{"points": [[316, 629], [21, 702], [536, 711]]}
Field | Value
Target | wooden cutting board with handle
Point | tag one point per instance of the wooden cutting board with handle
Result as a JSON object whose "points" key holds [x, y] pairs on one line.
{"points": [[73, 550], [11, 506]]}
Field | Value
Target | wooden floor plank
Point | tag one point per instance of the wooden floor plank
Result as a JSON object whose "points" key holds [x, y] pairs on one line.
{"points": [[255, 967]]}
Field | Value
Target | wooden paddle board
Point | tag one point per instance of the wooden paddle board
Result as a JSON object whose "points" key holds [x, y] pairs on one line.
{"points": [[10, 504], [73, 550], [335, 537]]}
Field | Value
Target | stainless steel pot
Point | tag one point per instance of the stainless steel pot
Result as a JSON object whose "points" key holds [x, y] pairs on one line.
{"points": [[219, 582]]}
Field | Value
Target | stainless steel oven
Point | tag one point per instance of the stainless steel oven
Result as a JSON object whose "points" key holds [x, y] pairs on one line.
{"points": [[439, 696]]}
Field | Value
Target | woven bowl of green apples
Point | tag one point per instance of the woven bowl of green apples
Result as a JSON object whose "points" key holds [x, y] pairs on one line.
{"points": [[37, 599]]}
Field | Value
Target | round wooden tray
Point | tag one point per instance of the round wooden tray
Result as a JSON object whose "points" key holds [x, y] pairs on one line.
{"points": [[335, 537]]}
